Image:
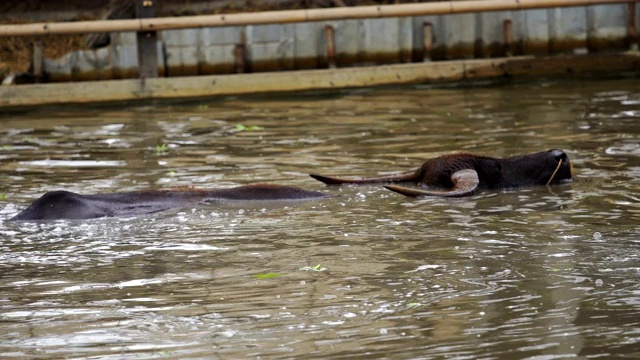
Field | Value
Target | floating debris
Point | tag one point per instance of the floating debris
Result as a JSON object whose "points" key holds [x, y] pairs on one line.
{"points": [[313, 268]]}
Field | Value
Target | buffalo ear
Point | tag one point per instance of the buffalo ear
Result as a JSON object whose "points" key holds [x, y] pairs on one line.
{"points": [[465, 183]]}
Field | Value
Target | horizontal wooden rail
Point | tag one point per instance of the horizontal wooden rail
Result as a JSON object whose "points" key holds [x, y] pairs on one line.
{"points": [[292, 16], [92, 92]]}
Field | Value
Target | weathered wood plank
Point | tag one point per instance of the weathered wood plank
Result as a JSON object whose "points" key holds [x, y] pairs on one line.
{"points": [[212, 85]]}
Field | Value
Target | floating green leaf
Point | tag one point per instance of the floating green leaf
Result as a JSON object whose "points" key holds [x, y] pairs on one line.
{"points": [[313, 268], [161, 148], [241, 127], [266, 276], [3, 197]]}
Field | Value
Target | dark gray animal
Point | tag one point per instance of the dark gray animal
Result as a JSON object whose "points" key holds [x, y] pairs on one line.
{"points": [[68, 205], [464, 174]]}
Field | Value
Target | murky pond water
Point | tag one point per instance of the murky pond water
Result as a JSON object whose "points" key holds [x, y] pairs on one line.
{"points": [[538, 273]]}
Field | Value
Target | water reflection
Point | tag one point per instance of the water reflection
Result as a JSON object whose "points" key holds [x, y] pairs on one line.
{"points": [[538, 272]]}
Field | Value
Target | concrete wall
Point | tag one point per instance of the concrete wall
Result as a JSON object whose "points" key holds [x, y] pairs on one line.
{"points": [[357, 42]]}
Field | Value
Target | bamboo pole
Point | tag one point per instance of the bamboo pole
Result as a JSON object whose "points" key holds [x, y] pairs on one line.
{"points": [[292, 16]]}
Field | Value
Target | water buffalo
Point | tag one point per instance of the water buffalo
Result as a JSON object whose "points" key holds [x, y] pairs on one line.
{"points": [[68, 205], [464, 174]]}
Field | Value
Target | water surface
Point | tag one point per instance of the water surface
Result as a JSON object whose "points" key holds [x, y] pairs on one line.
{"points": [[541, 273]]}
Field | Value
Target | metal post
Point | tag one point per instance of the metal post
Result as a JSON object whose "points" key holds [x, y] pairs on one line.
{"points": [[632, 30], [37, 61], [427, 41], [507, 29], [240, 56], [331, 46], [147, 50]]}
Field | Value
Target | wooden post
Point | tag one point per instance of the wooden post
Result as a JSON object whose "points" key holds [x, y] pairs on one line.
{"points": [[37, 61], [147, 47], [427, 41], [507, 29], [331, 46]]}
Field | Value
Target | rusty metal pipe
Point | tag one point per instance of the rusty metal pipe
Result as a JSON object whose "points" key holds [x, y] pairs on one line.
{"points": [[329, 35], [427, 42], [632, 30], [507, 31]]}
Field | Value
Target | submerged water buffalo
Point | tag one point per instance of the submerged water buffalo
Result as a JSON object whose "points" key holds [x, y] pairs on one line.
{"points": [[448, 175], [68, 205], [464, 174]]}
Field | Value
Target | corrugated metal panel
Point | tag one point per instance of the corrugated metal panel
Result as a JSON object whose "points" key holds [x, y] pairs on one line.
{"points": [[489, 40], [347, 36], [216, 49], [533, 28], [567, 29], [606, 27], [271, 47], [182, 49], [357, 42], [309, 45], [457, 35], [124, 55], [384, 40]]}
